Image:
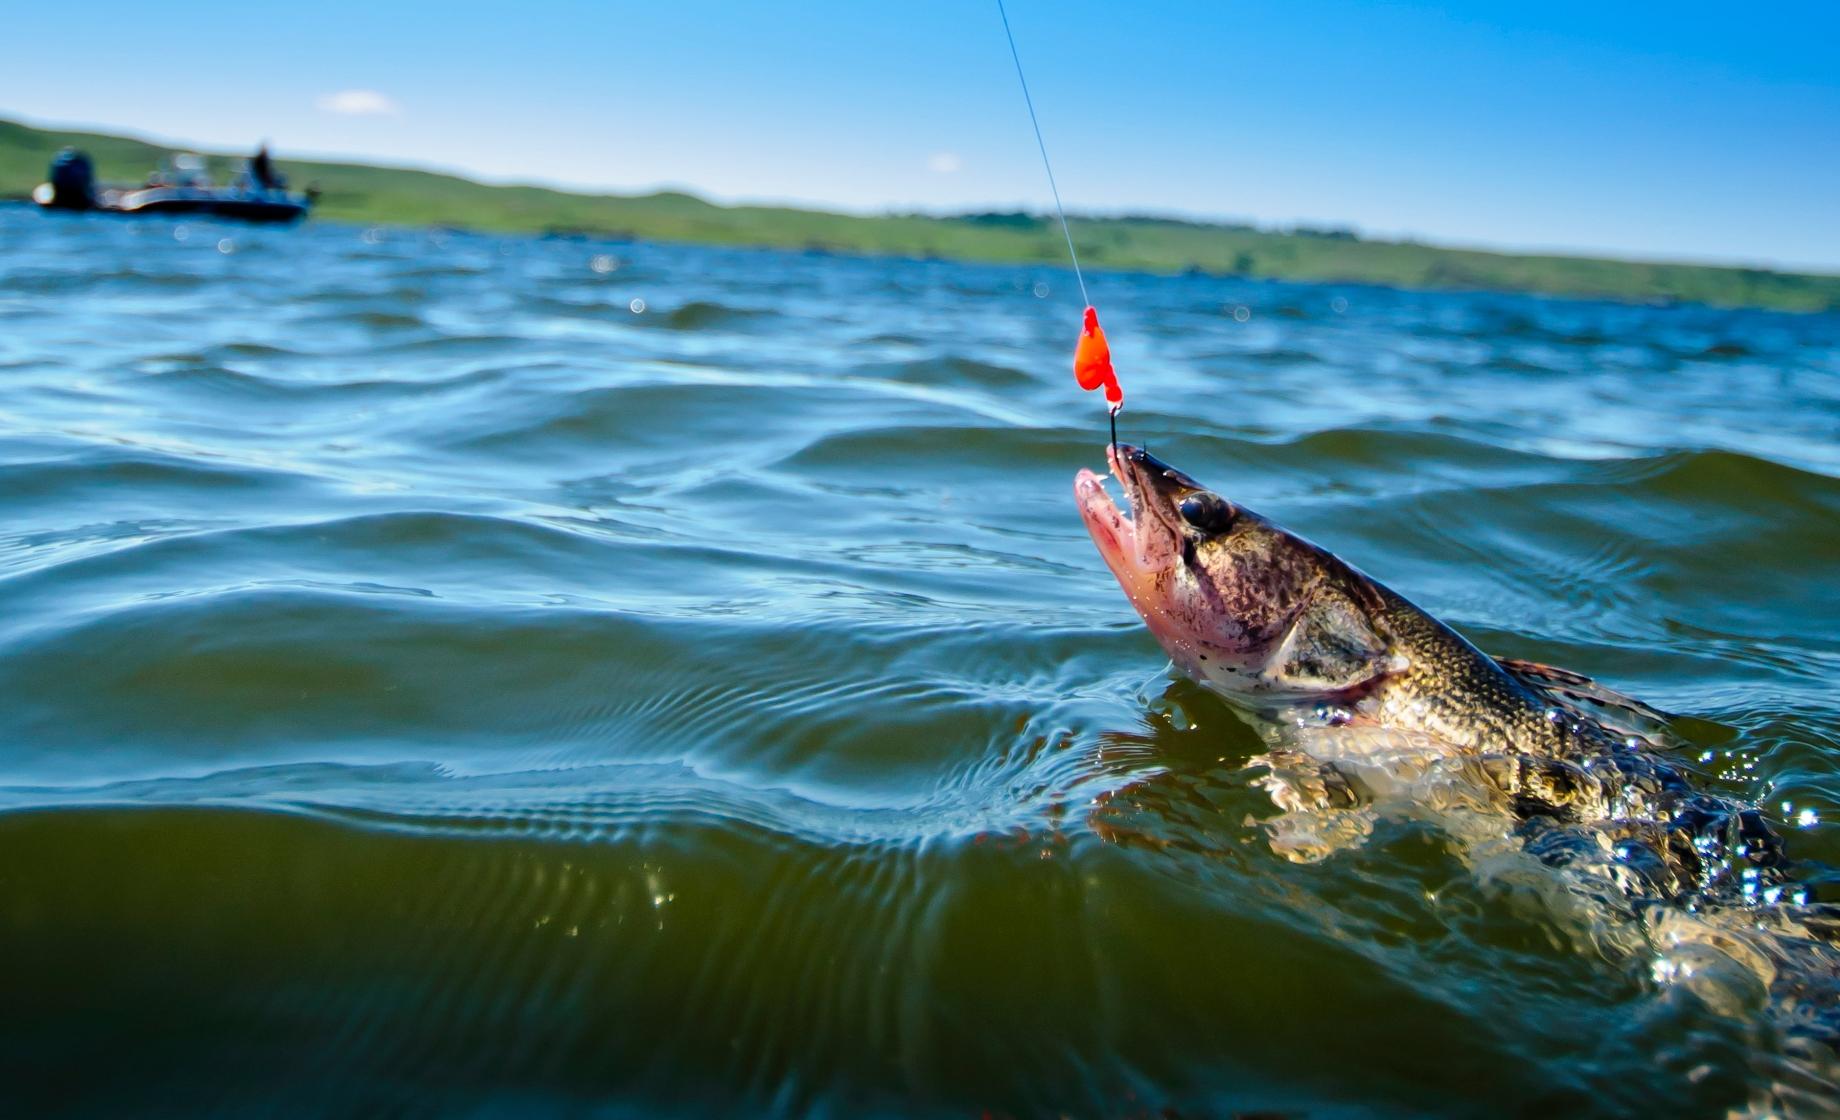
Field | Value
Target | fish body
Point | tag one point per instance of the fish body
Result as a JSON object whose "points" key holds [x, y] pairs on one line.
{"points": [[1277, 624], [1365, 694]]}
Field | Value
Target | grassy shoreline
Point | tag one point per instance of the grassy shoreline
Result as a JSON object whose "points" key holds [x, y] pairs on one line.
{"points": [[370, 194]]}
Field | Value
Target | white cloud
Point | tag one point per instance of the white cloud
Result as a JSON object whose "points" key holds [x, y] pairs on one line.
{"points": [[359, 103], [944, 163]]}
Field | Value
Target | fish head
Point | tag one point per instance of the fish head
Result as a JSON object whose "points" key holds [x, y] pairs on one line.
{"points": [[1244, 606]]}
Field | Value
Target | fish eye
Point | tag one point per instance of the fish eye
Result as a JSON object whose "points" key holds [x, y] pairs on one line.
{"points": [[1207, 512]]}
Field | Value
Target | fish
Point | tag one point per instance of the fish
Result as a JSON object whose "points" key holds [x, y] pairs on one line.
{"points": [[1368, 700]]}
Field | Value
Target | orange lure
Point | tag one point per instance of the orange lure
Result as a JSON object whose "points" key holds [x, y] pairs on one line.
{"points": [[1092, 362]]}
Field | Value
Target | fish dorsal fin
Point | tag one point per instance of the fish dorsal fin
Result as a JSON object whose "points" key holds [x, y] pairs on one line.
{"points": [[1581, 696]]}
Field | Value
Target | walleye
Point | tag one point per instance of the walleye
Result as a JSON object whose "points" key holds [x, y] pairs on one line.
{"points": [[1364, 694]]}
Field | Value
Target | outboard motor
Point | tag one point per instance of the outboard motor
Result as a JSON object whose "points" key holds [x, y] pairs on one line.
{"points": [[72, 182]]}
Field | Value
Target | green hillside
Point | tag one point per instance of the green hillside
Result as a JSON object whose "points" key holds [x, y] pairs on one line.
{"points": [[362, 193]]}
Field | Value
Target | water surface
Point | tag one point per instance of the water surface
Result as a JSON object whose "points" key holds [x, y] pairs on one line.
{"points": [[451, 673]]}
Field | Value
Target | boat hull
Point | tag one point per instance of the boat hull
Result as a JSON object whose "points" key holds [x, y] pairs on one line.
{"points": [[273, 207]]}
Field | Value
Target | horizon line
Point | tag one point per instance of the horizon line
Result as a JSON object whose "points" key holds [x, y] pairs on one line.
{"points": [[1283, 227]]}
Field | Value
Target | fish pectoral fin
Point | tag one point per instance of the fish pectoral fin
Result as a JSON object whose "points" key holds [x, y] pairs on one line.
{"points": [[1584, 697]]}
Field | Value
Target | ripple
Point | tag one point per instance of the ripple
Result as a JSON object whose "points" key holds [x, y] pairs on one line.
{"points": [[698, 315], [129, 476], [951, 369], [941, 451], [438, 687]]}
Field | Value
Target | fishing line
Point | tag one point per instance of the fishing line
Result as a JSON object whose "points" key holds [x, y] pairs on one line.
{"points": [[1092, 358], [1045, 163]]}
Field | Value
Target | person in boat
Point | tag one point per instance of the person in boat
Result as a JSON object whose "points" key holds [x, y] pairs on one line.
{"points": [[72, 181], [262, 171]]}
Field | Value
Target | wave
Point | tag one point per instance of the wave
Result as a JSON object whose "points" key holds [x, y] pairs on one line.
{"points": [[951, 369], [466, 690], [698, 315]]}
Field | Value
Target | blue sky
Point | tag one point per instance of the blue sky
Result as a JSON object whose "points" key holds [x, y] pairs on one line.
{"points": [[1688, 130]]}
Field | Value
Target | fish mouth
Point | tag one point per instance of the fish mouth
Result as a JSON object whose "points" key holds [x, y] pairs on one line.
{"points": [[1151, 490], [1141, 542], [1112, 531]]}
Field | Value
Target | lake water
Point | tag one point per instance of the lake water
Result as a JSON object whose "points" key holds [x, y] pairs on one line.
{"points": [[453, 673]]}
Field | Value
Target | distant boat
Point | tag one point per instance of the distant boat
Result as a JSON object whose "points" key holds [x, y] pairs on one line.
{"points": [[181, 186]]}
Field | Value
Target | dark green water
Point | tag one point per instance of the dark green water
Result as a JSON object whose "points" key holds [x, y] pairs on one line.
{"points": [[429, 685]]}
